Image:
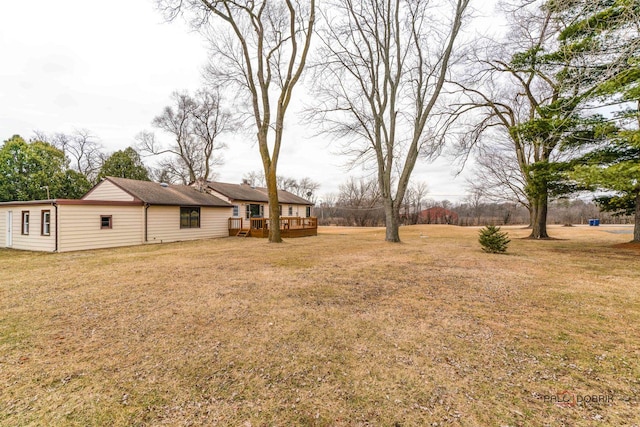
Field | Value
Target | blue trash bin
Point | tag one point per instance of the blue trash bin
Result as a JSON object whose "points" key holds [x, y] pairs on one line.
{"points": [[592, 222], [596, 222]]}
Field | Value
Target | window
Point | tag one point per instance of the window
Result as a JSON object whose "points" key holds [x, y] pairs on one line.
{"points": [[254, 211], [290, 210], [308, 212], [280, 209], [25, 222], [190, 217], [45, 223], [106, 222], [236, 210]]}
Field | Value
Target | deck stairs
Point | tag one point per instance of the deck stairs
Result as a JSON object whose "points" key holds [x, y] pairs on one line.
{"points": [[243, 232]]}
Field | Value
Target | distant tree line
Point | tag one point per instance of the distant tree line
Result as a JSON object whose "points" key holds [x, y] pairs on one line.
{"points": [[358, 204]]}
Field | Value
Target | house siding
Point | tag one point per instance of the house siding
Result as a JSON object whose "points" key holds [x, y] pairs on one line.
{"points": [[107, 190], [33, 241], [3, 228], [80, 227], [220, 196], [163, 224], [297, 209]]}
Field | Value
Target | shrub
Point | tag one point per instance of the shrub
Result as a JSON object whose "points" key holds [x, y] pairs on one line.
{"points": [[493, 240]]}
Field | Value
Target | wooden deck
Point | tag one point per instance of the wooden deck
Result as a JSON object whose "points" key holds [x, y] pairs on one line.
{"points": [[290, 226]]}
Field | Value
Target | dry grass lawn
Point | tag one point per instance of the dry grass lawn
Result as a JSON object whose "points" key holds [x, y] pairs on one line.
{"points": [[342, 329]]}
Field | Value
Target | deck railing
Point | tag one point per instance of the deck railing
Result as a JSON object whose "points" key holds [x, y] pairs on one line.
{"points": [[259, 223], [260, 226], [235, 224]]}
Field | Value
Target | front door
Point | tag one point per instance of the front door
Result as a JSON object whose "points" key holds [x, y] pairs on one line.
{"points": [[9, 241], [256, 214], [255, 211]]}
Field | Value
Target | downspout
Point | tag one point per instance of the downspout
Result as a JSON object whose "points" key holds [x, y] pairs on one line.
{"points": [[146, 237], [55, 206]]}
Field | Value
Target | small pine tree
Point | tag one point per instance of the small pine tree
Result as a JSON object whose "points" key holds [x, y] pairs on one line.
{"points": [[493, 240]]}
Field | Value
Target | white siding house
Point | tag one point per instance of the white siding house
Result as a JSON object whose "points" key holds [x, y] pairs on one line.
{"points": [[108, 190], [251, 201], [97, 226], [116, 212], [162, 226], [28, 225]]}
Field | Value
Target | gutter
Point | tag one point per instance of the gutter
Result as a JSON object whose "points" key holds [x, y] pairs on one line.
{"points": [[55, 205], [146, 237]]}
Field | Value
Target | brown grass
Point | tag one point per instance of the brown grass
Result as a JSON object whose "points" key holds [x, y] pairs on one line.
{"points": [[342, 329]]}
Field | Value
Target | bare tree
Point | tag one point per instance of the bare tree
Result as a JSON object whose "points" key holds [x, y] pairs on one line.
{"points": [[360, 202], [307, 189], [326, 210], [414, 201], [525, 112], [474, 200], [257, 46], [497, 176], [384, 67], [303, 187], [195, 123], [81, 147], [255, 179], [287, 184], [475, 210]]}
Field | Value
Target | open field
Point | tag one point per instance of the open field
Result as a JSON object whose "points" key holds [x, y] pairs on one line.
{"points": [[342, 329]]}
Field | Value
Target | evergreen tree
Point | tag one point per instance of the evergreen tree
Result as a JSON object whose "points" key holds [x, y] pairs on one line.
{"points": [[603, 46], [493, 240], [124, 164]]}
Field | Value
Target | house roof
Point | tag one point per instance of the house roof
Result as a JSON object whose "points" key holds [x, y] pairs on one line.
{"points": [[28, 202], [287, 197], [155, 193], [254, 194], [72, 202], [238, 191]]}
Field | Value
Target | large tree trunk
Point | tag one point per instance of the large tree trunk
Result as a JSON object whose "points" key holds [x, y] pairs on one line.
{"points": [[539, 209], [392, 222], [531, 216], [636, 227], [274, 210]]}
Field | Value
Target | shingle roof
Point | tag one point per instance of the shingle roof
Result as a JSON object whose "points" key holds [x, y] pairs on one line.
{"points": [[238, 191], [166, 194], [287, 197], [254, 194]]}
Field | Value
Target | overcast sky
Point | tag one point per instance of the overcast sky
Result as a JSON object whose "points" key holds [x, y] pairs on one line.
{"points": [[110, 67]]}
